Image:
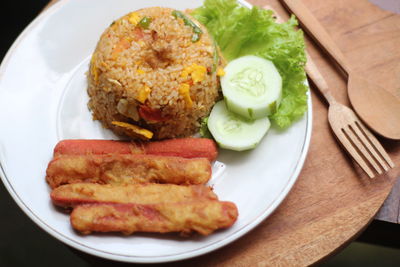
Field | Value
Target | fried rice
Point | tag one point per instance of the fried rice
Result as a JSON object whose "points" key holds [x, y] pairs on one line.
{"points": [[154, 75]]}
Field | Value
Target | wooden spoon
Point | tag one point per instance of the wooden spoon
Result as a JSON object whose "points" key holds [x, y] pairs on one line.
{"points": [[378, 108]]}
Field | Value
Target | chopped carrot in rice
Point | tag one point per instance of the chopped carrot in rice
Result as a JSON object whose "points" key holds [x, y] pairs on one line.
{"points": [[144, 93], [140, 132], [134, 18], [220, 71], [197, 72], [184, 90], [140, 71], [105, 65], [123, 44]]}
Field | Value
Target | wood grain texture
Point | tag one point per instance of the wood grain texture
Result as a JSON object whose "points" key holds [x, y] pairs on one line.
{"points": [[377, 107], [354, 137], [332, 201], [313, 28]]}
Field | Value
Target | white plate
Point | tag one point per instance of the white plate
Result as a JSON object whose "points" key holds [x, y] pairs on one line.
{"points": [[43, 100]]}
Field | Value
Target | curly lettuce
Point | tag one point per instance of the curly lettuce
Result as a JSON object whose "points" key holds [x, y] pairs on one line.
{"points": [[240, 31]]}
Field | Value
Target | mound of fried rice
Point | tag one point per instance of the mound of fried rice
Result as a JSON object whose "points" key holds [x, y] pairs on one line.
{"points": [[150, 79]]}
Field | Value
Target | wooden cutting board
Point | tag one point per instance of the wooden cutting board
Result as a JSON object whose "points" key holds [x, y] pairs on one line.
{"points": [[332, 201]]}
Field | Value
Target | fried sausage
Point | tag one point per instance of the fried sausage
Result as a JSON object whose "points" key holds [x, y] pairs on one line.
{"points": [[126, 169], [183, 147], [203, 217], [71, 195]]}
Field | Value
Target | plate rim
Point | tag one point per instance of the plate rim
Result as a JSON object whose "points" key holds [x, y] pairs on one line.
{"points": [[151, 259]]}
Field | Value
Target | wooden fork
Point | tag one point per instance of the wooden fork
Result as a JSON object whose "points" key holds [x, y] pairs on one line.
{"points": [[358, 141], [351, 132]]}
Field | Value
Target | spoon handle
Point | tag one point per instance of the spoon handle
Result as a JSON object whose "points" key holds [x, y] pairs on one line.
{"points": [[310, 68], [311, 25]]}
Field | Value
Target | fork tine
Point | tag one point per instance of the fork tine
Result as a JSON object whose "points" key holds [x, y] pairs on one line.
{"points": [[353, 152], [376, 144], [353, 138], [367, 144]]}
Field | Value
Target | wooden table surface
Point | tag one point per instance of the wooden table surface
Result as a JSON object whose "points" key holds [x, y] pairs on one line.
{"points": [[332, 201]]}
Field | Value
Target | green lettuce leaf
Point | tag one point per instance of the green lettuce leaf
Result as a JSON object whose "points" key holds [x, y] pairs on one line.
{"points": [[240, 31], [204, 132]]}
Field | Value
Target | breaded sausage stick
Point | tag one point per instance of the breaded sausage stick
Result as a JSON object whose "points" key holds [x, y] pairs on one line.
{"points": [[71, 195], [126, 169], [203, 217], [182, 147]]}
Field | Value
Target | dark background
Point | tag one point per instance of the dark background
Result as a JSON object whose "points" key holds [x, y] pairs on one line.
{"points": [[22, 243], [15, 16]]}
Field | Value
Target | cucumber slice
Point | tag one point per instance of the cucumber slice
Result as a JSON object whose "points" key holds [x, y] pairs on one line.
{"points": [[232, 131], [252, 87]]}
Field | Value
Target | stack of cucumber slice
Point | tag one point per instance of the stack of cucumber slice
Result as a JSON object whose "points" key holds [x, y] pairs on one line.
{"points": [[252, 89]]}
